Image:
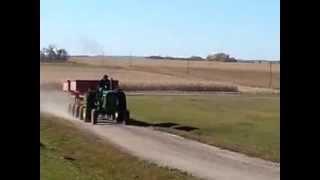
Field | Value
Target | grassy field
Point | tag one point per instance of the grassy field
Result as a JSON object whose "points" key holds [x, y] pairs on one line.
{"points": [[66, 153], [248, 124]]}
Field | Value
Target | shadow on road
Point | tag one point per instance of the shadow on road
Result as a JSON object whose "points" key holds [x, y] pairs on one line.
{"points": [[134, 122]]}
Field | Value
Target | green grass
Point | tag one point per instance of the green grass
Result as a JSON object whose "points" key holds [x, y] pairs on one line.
{"points": [[68, 153], [248, 124]]}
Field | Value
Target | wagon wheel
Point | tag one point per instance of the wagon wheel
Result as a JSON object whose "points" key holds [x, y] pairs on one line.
{"points": [[87, 115], [77, 111], [70, 108], [73, 110], [81, 113], [93, 116]]}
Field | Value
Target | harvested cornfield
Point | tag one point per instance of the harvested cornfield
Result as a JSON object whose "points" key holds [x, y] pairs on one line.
{"points": [[53, 74], [245, 74]]}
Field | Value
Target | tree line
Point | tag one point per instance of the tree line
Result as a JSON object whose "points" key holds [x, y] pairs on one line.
{"points": [[223, 57], [53, 54]]}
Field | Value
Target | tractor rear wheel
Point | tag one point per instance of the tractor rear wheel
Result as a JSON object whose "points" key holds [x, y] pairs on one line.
{"points": [[112, 117], [94, 116]]}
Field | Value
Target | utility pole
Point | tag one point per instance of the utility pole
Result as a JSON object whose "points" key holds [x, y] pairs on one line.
{"points": [[270, 72], [103, 60], [188, 66], [130, 59]]}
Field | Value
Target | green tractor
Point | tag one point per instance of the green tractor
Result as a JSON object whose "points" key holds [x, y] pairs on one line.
{"points": [[97, 105]]}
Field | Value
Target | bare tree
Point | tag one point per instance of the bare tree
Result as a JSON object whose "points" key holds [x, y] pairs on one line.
{"points": [[53, 53], [221, 57], [62, 54]]}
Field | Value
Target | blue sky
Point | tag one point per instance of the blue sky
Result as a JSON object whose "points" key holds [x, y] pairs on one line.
{"points": [[246, 29]]}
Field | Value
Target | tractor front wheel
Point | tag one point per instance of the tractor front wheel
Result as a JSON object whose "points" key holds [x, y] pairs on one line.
{"points": [[123, 117], [126, 117]]}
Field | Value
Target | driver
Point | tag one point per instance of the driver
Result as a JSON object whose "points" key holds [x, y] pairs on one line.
{"points": [[104, 82]]}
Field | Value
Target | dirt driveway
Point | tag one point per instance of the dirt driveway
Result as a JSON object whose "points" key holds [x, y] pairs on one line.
{"points": [[165, 149]]}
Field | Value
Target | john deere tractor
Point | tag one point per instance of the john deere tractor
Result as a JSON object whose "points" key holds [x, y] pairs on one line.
{"points": [[97, 104]]}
